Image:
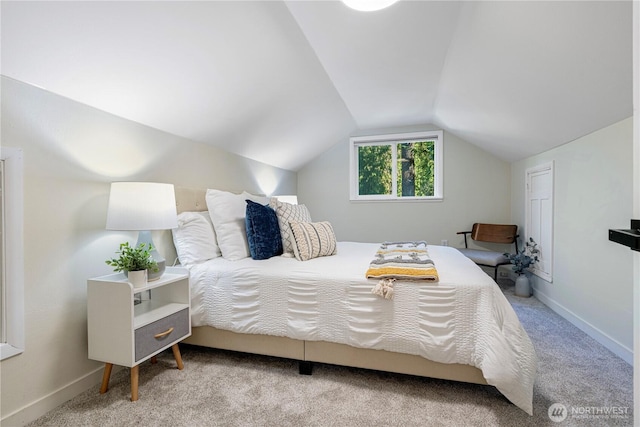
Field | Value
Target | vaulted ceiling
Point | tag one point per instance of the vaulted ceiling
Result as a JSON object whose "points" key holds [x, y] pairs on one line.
{"points": [[282, 81]]}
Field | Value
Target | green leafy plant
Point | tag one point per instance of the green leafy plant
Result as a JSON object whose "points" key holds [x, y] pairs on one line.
{"points": [[524, 259], [133, 258]]}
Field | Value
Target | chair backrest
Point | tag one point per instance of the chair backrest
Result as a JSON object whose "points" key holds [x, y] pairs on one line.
{"points": [[494, 233]]}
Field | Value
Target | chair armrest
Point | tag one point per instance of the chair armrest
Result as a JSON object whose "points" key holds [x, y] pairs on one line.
{"points": [[465, 237]]}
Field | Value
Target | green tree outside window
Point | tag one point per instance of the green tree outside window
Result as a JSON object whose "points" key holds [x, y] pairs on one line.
{"points": [[374, 162]]}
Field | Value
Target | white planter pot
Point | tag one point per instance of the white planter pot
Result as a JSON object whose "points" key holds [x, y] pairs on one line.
{"points": [[137, 278], [523, 288]]}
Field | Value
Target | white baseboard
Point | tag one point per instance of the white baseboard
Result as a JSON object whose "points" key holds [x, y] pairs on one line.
{"points": [[619, 349], [36, 409]]}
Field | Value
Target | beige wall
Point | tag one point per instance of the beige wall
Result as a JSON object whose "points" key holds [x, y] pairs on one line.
{"points": [[71, 154], [593, 277], [476, 189]]}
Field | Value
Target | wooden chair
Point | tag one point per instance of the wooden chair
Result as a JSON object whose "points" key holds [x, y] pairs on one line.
{"points": [[492, 233]]}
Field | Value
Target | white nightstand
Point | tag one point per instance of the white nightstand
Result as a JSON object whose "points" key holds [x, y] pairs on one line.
{"points": [[127, 334]]}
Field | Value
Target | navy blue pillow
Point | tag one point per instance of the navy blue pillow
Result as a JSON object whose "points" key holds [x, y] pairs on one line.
{"points": [[263, 231]]}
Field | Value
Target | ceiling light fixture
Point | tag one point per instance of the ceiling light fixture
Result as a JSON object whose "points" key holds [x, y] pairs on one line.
{"points": [[368, 5]]}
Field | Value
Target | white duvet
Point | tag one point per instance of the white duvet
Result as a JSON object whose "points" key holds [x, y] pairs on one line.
{"points": [[463, 318]]}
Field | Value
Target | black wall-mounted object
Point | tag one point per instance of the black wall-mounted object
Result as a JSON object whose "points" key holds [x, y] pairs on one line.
{"points": [[630, 238]]}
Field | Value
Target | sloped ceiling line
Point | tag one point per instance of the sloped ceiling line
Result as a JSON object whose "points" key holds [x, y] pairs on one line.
{"points": [[281, 82]]}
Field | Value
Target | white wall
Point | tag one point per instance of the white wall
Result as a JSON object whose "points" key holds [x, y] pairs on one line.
{"points": [[593, 277], [476, 189], [71, 154]]}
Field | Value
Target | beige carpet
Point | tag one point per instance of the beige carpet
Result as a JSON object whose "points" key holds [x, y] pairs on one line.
{"points": [[219, 388]]}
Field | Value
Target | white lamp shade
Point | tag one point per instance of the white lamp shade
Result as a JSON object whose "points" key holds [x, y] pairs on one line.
{"points": [[141, 206]]}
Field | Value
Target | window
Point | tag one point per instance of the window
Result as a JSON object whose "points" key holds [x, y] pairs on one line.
{"points": [[11, 261], [405, 166]]}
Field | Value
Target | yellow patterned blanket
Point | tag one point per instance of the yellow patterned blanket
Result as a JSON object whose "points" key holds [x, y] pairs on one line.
{"points": [[400, 261]]}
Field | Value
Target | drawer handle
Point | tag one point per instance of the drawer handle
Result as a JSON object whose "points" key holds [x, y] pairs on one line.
{"points": [[163, 334]]}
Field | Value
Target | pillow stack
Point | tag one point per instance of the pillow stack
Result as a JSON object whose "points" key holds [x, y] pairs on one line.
{"points": [[237, 226]]}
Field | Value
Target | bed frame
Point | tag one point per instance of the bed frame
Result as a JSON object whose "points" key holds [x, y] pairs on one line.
{"points": [[307, 352]]}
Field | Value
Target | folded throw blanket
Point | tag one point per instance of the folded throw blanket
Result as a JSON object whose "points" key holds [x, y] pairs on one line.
{"points": [[403, 261]]}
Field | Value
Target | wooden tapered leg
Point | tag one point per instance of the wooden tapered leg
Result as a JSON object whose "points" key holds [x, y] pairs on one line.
{"points": [[134, 383], [105, 377], [178, 357], [154, 360]]}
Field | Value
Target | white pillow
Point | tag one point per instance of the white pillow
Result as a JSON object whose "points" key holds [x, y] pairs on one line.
{"points": [[228, 212], [286, 213], [194, 239]]}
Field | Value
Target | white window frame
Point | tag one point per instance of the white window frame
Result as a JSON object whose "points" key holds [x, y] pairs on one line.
{"points": [[13, 267], [390, 139]]}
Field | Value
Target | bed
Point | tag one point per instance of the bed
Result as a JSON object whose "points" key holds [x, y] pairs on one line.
{"points": [[459, 328]]}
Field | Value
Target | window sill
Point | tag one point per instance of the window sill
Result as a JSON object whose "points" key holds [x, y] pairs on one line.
{"points": [[7, 351], [407, 200]]}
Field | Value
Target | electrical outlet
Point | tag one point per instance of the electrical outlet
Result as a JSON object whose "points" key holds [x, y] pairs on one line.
{"points": [[444, 243]]}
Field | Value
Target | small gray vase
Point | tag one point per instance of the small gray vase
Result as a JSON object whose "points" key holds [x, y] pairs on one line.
{"points": [[523, 288]]}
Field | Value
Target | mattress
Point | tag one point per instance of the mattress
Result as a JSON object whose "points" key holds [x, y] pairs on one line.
{"points": [[463, 318]]}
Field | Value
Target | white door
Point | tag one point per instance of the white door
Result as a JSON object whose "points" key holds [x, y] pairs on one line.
{"points": [[539, 217]]}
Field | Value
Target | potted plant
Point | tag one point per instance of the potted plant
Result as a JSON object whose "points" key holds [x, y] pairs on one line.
{"points": [[134, 262], [522, 261]]}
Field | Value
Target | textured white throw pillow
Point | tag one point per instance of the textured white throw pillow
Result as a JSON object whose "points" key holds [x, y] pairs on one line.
{"points": [[228, 212], [194, 239], [313, 239], [286, 213]]}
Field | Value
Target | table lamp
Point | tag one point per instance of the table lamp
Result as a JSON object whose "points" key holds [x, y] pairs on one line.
{"points": [[288, 198], [142, 207]]}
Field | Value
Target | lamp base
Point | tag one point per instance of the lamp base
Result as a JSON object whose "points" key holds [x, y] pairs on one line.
{"points": [[145, 237], [155, 275]]}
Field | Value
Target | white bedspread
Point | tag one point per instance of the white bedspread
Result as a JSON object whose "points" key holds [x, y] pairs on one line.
{"points": [[463, 318]]}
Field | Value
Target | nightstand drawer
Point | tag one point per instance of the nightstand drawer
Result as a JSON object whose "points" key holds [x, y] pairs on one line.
{"points": [[159, 334]]}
